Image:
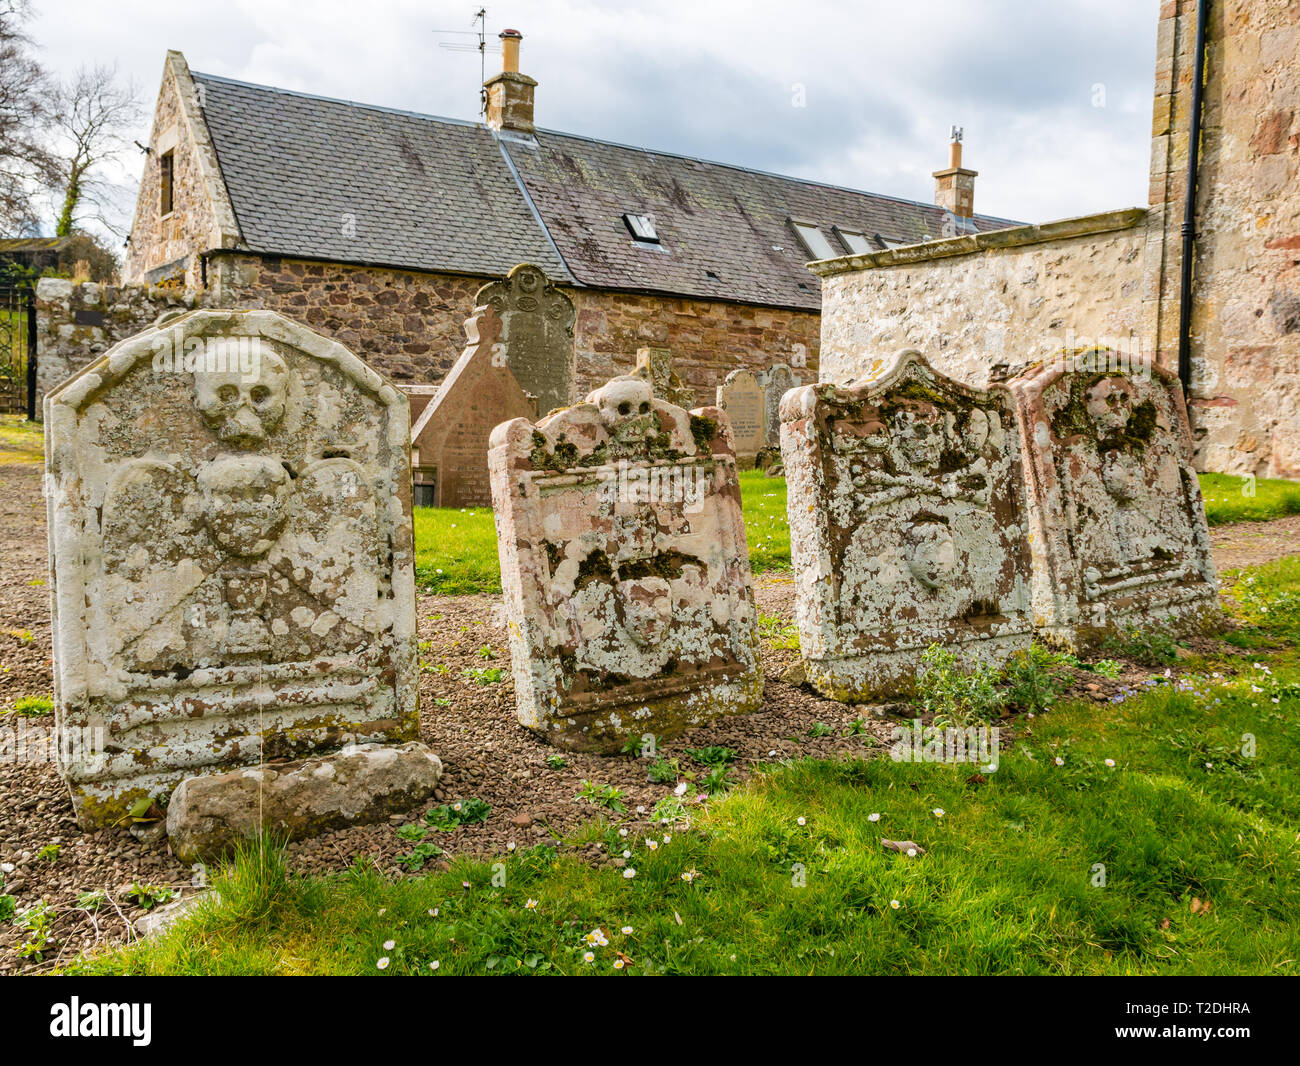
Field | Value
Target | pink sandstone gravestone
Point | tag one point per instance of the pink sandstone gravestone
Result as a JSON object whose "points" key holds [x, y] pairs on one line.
{"points": [[1116, 521], [449, 441], [624, 569]]}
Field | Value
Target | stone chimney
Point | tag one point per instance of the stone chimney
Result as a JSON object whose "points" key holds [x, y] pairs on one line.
{"points": [[954, 187], [510, 94]]}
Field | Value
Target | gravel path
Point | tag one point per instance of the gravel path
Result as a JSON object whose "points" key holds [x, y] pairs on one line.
{"points": [[470, 725]]}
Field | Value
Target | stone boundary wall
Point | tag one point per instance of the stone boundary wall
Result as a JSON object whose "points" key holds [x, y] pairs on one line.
{"points": [[1003, 297], [77, 322], [410, 325], [707, 339]]}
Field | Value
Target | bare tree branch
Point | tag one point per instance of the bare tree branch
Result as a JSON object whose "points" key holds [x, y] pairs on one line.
{"points": [[92, 114], [26, 97]]}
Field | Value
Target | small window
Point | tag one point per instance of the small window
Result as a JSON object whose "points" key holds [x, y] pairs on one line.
{"points": [[855, 242], [424, 488], [815, 241], [893, 242], [642, 228], [166, 163]]}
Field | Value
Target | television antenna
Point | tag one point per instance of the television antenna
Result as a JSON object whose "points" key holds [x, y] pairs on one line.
{"points": [[481, 47]]}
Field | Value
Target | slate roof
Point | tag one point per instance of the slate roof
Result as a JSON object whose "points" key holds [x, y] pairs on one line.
{"points": [[438, 194], [422, 193]]}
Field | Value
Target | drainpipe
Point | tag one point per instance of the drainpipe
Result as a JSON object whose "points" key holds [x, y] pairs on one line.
{"points": [[1189, 205]]}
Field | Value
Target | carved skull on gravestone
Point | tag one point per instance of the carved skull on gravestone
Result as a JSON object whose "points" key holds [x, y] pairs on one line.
{"points": [[626, 406], [242, 408], [919, 435], [244, 502], [646, 609], [931, 553], [1109, 404]]}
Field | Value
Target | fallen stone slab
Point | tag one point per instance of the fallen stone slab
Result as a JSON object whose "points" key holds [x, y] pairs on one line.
{"points": [[158, 921], [362, 783]]}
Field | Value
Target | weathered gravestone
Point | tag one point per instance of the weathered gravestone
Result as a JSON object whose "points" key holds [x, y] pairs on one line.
{"points": [[1116, 521], [624, 569], [741, 396], [536, 338], [231, 553], [449, 441], [655, 365], [419, 396], [905, 526], [776, 381]]}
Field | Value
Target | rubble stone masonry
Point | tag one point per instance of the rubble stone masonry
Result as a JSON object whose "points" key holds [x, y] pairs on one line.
{"points": [[1245, 394], [76, 323], [168, 246], [970, 303], [410, 325]]}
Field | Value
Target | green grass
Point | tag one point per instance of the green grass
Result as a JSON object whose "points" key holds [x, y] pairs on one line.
{"points": [[456, 549], [33, 706], [1226, 498], [1040, 867], [767, 529], [21, 441]]}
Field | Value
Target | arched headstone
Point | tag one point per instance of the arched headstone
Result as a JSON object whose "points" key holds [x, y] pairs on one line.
{"points": [[624, 569], [1116, 520], [232, 555], [906, 526]]}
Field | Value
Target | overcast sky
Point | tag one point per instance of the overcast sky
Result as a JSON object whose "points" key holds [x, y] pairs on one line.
{"points": [[1055, 97]]}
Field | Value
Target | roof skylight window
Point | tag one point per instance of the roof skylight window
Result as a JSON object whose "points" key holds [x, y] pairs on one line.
{"points": [[856, 242], [814, 240], [642, 228]]}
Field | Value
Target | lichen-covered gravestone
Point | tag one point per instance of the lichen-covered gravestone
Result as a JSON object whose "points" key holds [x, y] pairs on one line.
{"points": [[624, 569], [741, 396], [776, 381], [231, 554], [536, 335], [1117, 524], [655, 365], [905, 526], [449, 440]]}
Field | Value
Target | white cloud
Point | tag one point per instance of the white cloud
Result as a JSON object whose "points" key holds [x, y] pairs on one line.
{"points": [[883, 79]]}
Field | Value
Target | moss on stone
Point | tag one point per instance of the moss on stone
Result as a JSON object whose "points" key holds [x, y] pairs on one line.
{"points": [[703, 429]]}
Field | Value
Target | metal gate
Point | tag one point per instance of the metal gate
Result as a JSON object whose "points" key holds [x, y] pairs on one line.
{"points": [[17, 350]]}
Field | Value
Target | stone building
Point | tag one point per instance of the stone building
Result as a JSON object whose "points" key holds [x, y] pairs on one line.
{"points": [[376, 227], [979, 300]]}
